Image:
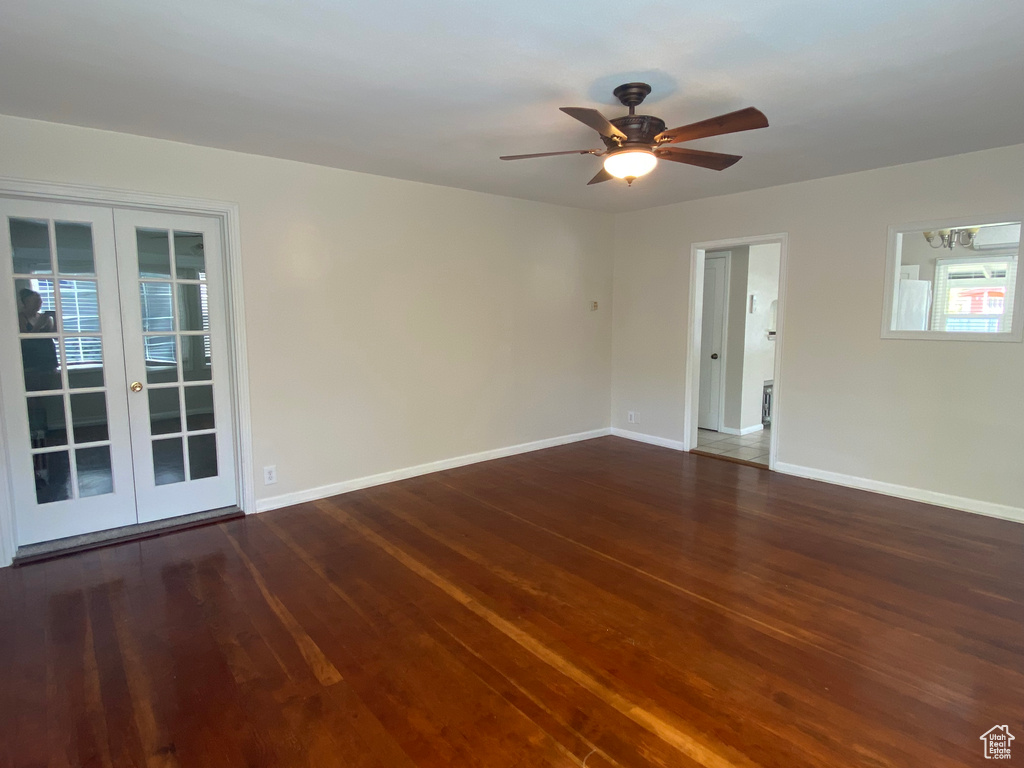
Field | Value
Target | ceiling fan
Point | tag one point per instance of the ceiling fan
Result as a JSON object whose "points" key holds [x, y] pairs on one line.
{"points": [[634, 143]]}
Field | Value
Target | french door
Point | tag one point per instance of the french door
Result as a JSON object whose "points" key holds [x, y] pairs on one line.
{"points": [[115, 385]]}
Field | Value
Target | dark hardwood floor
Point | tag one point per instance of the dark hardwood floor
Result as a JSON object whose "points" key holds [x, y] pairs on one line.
{"points": [[605, 603]]}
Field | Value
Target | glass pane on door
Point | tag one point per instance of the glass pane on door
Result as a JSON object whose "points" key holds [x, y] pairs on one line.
{"points": [[30, 247], [79, 306], [47, 423], [85, 361], [154, 252], [74, 249], [168, 461], [95, 475], [52, 477], [161, 359], [164, 411]]}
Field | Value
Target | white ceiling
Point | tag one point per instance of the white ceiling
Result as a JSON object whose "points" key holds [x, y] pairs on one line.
{"points": [[436, 91]]}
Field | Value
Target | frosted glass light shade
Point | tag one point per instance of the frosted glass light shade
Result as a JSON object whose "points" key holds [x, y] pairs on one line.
{"points": [[632, 163]]}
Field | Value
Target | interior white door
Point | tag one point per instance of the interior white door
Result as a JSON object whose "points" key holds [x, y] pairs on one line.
{"points": [[64, 394], [173, 306], [709, 411]]}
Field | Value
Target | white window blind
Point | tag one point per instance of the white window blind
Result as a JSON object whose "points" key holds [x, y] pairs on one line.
{"points": [[204, 304], [159, 313], [974, 295]]}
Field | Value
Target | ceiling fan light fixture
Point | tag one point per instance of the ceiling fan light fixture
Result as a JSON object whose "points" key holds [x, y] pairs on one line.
{"points": [[634, 143], [630, 163]]}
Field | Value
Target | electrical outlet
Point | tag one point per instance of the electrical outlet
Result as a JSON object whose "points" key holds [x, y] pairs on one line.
{"points": [[632, 417], [270, 474], [593, 306]]}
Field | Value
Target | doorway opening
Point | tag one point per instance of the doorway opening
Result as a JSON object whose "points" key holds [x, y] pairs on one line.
{"points": [[733, 366]]}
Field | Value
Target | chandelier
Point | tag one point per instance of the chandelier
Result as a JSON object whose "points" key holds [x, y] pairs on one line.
{"points": [[949, 238]]}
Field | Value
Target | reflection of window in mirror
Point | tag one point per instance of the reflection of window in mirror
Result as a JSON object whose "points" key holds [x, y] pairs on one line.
{"points": [[958, 280]]}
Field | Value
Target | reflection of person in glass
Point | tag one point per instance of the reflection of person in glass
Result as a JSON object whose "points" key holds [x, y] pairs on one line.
{"points": [[30, 318], [39, 356]]}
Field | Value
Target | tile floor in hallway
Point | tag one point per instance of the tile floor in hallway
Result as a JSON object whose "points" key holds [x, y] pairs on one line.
{"points": [[753, 447]]}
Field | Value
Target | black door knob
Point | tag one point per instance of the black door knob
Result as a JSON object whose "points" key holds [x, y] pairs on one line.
{"points": [[714, 356]]}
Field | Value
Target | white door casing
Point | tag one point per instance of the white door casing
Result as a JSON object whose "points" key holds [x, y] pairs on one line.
{"points": [[227, 214], [697, 258], [102, 416]]}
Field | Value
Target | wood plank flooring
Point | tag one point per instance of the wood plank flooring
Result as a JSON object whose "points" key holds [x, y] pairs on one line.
{"points": [[599, 604]]}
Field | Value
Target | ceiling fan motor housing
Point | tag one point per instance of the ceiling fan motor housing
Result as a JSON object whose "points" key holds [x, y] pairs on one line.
{"points": [[640, 131]]}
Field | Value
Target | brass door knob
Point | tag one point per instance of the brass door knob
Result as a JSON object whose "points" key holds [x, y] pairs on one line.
{"points": [[136, 386]]}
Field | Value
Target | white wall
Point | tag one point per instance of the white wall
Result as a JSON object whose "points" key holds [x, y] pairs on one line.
{"points": [[389, 323], [392, 324], [758, 349], [939, 416]]}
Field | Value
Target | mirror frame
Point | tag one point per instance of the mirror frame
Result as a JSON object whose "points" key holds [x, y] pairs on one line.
{"points": [[1016, 332]]}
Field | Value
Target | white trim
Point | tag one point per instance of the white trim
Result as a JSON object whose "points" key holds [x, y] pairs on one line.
{"points": [[976, 506], [640, 437], [323, 491], [1016, 332], [8, 536], [227, 213], [239, 357], [780, 340], [744, 431], [692, 372]]}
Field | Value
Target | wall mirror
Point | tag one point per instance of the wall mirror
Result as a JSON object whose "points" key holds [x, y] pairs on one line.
{"points": [[955, 280]]}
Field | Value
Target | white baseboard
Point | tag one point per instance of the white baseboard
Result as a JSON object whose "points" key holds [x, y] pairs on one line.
{"points": [[978, 507], [640, 437], [744, 431], [323, 491]]}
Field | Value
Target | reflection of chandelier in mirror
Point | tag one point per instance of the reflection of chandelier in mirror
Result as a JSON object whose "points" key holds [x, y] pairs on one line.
{"points": [[948, 238]]}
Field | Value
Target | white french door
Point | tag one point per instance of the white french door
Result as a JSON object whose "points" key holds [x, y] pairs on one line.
{"points": [[63, 372], [175, 346], [116, 394]]}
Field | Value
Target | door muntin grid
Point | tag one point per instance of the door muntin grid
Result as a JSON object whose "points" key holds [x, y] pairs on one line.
{"points": [[56, 294], [175, 319]]}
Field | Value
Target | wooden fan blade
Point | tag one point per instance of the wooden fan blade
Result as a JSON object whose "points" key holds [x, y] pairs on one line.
{"points": [[595, 120], [716, 161], [602, 175], [552, 154], [741, 120]]}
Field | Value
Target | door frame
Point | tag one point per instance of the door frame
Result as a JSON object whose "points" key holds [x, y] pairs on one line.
{"points": [[725, 256], [695, 319], [238, 365]]}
